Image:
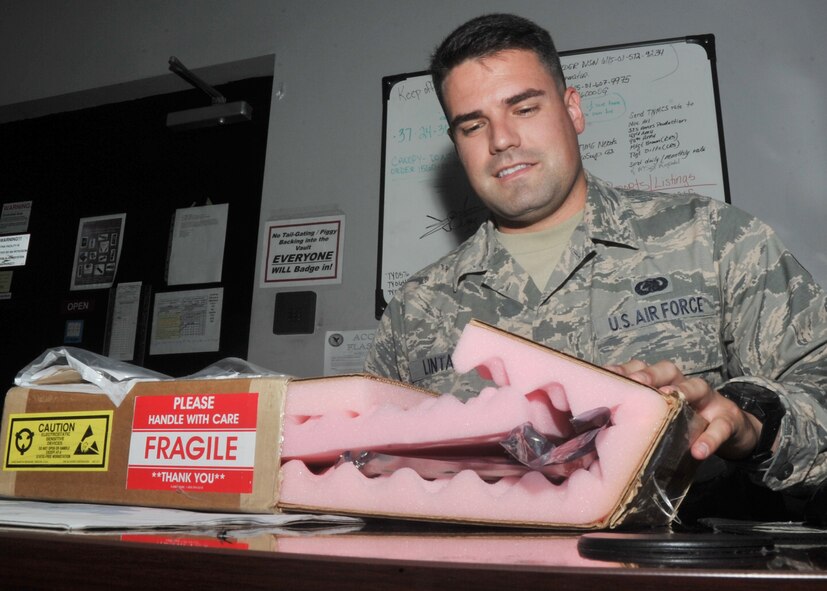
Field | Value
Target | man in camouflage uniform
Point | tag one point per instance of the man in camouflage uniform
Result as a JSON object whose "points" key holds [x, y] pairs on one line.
{"points": [[700, 295]]}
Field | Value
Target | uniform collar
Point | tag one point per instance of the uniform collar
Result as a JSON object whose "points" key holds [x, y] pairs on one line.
{"points": [[608, 217], [606, 220]]}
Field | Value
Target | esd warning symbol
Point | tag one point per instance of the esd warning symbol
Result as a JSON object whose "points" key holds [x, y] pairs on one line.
{"points": [[60, 441], [87, 445]]}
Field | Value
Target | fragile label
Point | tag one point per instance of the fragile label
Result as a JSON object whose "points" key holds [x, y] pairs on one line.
{"points": [[193, 442], [60, 441], [222, 542]]}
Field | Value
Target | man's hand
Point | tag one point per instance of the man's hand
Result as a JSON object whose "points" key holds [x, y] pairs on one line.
{"points": [[731, 433]]}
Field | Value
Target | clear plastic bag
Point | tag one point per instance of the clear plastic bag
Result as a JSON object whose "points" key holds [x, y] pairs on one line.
{"points": [[233, 367], [531, 448], [73, 365], [529, 451]]}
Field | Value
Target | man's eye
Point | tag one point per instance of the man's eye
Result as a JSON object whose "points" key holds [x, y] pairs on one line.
{"points": [[470, 129], [528, 110]]}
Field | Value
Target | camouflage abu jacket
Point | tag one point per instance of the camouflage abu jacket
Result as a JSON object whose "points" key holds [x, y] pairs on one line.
{"points": [[647, 276]]}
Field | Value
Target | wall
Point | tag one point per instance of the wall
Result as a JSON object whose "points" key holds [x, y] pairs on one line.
{"points": [[121, 158], [325, 125]]}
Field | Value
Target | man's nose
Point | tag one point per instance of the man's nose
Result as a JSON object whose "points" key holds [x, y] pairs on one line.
{"points": [[503, 136]]}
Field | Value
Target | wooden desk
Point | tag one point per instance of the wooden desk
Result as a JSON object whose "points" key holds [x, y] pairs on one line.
{"points": [[33, 560]]}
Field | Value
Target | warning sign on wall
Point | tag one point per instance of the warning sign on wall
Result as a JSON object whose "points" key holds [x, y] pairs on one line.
{"points": [[64, 441], [193, 442], [303, 251]]}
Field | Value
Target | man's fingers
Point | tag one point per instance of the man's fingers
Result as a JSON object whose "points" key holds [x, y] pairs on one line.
{"points": [[716, 433], [627, 368], [662, 373], [696, 392]]}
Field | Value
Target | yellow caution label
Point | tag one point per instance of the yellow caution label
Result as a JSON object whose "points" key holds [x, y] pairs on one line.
{"points": [[59, 442]]}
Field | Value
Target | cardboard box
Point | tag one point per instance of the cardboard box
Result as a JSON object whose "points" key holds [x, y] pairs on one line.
{"points": [[271, 444], [188, 444]]}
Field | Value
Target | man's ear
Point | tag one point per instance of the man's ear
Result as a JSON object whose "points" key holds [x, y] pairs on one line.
{"points": [[571, 99]]}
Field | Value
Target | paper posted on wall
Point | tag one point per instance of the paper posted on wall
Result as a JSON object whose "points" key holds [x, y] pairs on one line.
{"points": [[187, 321], [98, 251]]}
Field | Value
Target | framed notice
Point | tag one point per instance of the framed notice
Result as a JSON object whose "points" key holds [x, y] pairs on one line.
{"points": [[304, 251], [98, 251]]}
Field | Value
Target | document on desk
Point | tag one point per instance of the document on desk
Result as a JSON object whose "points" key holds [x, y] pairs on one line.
{"points": [[91, 518]]}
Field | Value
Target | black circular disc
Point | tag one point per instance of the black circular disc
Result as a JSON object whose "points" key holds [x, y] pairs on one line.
{"points": [[672, 548]]}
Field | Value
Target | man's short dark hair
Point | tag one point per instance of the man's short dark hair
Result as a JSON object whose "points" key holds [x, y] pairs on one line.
{"points": [[489, 34]]}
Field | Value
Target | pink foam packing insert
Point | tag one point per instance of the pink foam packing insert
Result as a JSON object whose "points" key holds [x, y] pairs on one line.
{"points": [[326, 417], [402, 419], [505, 550]]}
